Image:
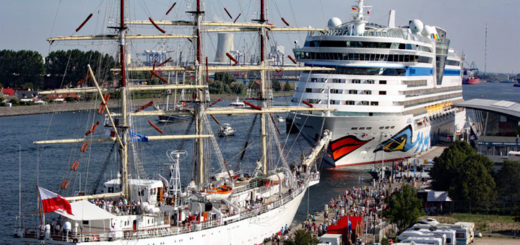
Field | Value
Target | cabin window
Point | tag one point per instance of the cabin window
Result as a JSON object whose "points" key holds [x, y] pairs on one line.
{"points": [[382, 92], [374, 103], [382, 81], [356, 81], [85, 222]]}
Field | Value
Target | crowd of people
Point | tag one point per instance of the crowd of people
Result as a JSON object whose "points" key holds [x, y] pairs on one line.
{"points": [[118, 207]]}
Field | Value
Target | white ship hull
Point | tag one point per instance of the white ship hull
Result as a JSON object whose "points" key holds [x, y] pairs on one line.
{"points": [[252, 230], [360, 140]]}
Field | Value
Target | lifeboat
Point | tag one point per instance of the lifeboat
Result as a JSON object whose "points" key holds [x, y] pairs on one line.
{"points": [[218, 193]]}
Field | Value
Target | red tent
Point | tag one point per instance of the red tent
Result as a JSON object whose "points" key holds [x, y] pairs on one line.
{"points": [[341, 227]]}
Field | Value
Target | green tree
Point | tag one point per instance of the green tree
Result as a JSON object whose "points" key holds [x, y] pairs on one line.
{"points": [[276, 85], [20, 68], [508, 181], [287, 86], [303, 237], [444, 172], [225, 77], [466, 175], [404, 208], [237, 87], [66, 68], [474, 184]]}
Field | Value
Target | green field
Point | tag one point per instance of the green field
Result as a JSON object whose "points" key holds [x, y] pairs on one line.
{"points": [[484, 223]]}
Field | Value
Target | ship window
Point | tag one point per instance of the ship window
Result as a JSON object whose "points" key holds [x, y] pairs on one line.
{"points": [[369, 128], [370, 81], [362, 128], [382, 92], [313, 80], [374, 103], [308, 90], [381, 127], [387, 127], [401, 46], [85, 222], [364, 102], [355, 128], [350, 102], [356, 81], [352, 91], [392, 127], [382, 81]]}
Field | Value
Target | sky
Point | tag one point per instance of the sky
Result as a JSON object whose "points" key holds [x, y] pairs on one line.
{"points": [[25, 24]]}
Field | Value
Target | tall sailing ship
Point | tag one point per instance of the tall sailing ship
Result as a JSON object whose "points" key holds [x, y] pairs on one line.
{"points": [[219, 206], [393, 88]]}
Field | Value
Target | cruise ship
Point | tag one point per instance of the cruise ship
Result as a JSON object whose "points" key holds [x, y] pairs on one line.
{"points": [[392, 89]]}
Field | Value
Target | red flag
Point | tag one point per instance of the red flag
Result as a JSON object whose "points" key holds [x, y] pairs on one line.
{"points": [[52, 201]]}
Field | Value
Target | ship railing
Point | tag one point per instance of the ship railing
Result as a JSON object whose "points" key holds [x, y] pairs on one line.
{"points": [[343, 32], [167, 230]]}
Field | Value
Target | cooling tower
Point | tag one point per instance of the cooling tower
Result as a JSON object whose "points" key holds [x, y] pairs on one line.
{"points": [[224, 45]]}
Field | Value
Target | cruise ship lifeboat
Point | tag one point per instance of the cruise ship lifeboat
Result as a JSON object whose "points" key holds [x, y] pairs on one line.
{"points": [[218, 193]]}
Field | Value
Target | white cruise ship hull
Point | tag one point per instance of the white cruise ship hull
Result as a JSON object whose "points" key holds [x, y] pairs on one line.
{"points": [[368, 140]]}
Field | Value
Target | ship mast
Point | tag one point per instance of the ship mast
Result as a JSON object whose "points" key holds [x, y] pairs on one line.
{"points": [[262, 33], [124, 127], [199, 97]]}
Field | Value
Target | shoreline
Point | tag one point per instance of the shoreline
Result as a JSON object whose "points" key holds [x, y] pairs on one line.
{"points": [[92, 105]]}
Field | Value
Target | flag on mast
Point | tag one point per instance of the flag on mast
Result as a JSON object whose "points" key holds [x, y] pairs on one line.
{"points": [[52, 201]]}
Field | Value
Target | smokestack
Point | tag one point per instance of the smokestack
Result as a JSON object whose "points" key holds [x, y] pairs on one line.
{"points": [[224, 45]]}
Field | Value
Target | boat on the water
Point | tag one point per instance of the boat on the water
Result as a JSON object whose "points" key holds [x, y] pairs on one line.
{"points": [[220, 205], [470, 77], [393, 88], [226, 130], [237, 103]]}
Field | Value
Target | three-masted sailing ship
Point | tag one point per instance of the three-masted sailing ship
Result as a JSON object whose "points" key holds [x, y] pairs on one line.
{"points": [[215, 208]]}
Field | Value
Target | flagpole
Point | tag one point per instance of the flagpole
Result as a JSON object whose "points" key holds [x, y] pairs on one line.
{"points": [[42, 216]]}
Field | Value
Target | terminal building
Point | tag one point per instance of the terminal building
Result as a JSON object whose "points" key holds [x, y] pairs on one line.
{"points": [[494, 128]]}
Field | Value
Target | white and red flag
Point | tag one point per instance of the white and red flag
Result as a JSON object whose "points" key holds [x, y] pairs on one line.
{"points": [[52, 201]]}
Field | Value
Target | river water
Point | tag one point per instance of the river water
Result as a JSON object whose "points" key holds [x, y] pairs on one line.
{"points": [[49, 165]]}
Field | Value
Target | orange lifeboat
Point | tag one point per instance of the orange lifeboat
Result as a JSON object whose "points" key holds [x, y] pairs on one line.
{"points": [[219, 192]]}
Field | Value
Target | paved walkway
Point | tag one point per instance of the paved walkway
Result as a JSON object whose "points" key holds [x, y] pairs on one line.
{"points": [[493, 241]]}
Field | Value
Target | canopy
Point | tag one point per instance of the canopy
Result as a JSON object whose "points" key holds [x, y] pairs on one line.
{"points": [[341, 227], [438, 196], [84, 210]]}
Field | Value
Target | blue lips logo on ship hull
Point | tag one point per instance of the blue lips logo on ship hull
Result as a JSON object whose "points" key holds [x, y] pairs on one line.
{"points": [[401, 141]]}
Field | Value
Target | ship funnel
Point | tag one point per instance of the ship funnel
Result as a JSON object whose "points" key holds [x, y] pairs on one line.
{"points": [[391, 19], [224, 45]]}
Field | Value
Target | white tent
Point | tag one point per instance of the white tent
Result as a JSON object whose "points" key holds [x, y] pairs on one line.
{"points": [[438, 196], [84, 210]]}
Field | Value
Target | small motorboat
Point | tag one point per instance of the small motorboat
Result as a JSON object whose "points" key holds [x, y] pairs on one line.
{"points": [[226, 130], [237, 103]]}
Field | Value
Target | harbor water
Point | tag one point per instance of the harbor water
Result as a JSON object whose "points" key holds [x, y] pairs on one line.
{"points": [[49, 165]]}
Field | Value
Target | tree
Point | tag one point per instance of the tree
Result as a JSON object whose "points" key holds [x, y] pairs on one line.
{"points": [[68, 67], [237, 87], [404, 208], [444, 171], [287, 86], [303, 237], [21, 68], [465, 174], [225, 77], [508, 181], [276, 85], [474, 184]]}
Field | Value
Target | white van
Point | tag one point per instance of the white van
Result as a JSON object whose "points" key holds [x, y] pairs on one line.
{"points": [[331, 239], [464, 232], [422, 233], [424, 240]]}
